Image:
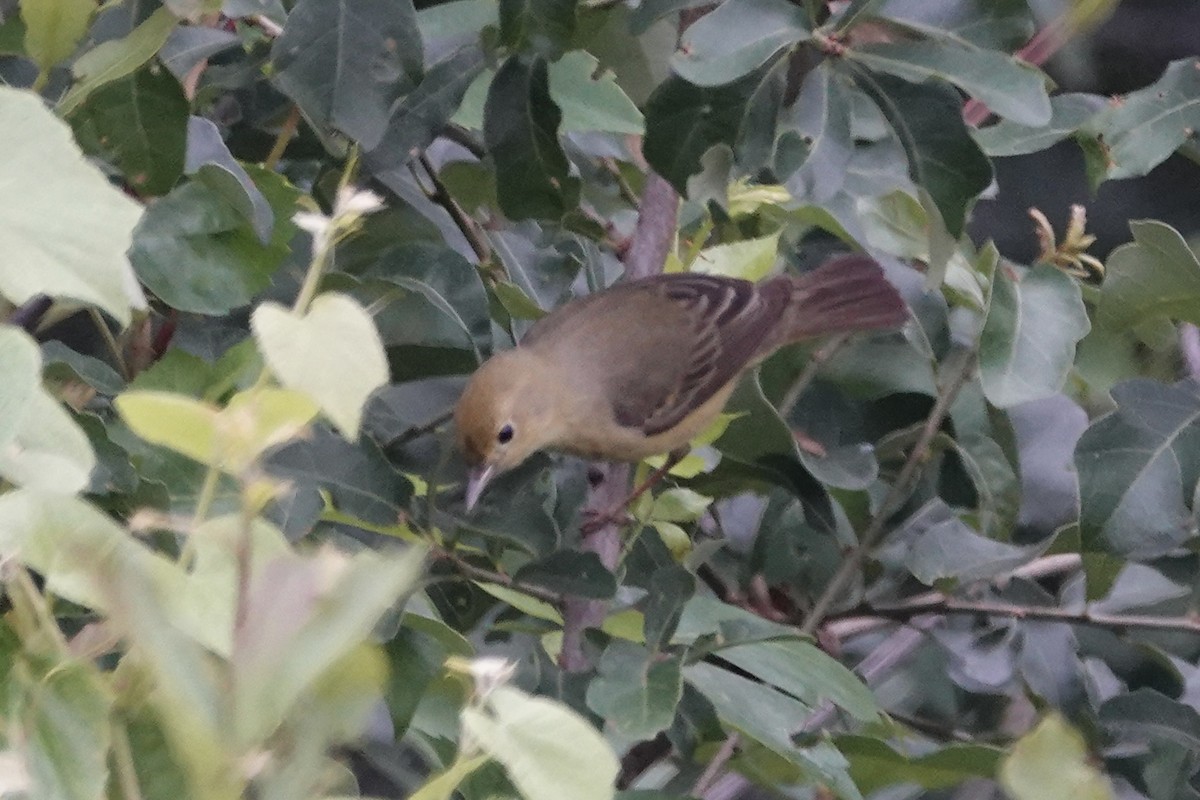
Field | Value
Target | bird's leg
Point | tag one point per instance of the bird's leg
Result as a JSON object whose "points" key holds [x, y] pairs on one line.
{"points": [[595, 519]]}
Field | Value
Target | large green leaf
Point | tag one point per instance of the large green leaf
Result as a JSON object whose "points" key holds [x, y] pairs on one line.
{"points": [[684, 120], [1138, 469], [548, 750], [198, 252], [1028, 341], [117, 58], [68, 235], [1151, 123], [58, 716], [346, 63], [54, 28], [942, 157], [821, 116], [333, 602], [737, 38], [520, 128], [421, 115], [875, 765], [140, 124], [1012, 89], [1069, 111], [1154, 277], [331, 352], [1052, 760]]}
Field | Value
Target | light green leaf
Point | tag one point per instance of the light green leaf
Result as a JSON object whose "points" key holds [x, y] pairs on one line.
{"points": [[1154, 277], [736, 38], [58, 716], [548, 750], [874, 765], [1052, 760], [1148, 125], [1011, 88], [333, 602], [523, 602], [442, 785], [230, 438], [54, 28], [115, 59], [1138, 469], [750, 259], [20, 364], [1028, 341], [68, 235], [332, 353], [50, 451], [1068, 113]]}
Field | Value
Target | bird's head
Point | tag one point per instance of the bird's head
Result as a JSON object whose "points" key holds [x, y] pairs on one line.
{"points": [[503, 417]]}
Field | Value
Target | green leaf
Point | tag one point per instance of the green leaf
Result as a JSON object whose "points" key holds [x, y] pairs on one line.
{"points": [[520, 128], [50, 451], [420, 116], [1155, 276], [68, 235], [1138, 467], [54, 28], [874, 765], [442, 785], [737, 38], [1068, 113], [821, 118], [572, 572], [635, 691], [1009, 87], [356, 476], [63, 364], [803, 671], [938, 546], [58, 715], [590, 98], [138, 123], [1028, 342], [548, 750], [749, 259], [1148, 125], [332, 353], [683, 121], [1052, 760], [542, 27], [771, 718], [20, 364], [333, 601], [1148, 714], [346, 64], [211, 163], [117, 58], [942, 157], [230, 438], [197, 252]]}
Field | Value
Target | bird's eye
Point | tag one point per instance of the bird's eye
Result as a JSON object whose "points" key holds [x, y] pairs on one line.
{"points": [[505, 435]]}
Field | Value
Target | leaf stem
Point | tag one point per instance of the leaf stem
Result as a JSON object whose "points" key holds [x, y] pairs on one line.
{"points": [[282, 139]]}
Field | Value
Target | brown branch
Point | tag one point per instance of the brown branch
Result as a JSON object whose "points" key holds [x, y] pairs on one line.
{"points": [[938, 603], [717, 765], [468, 570], [895, 498], [655, 232]]}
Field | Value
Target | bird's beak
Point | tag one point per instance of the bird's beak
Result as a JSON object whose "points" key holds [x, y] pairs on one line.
{"points": [[477, 480]]}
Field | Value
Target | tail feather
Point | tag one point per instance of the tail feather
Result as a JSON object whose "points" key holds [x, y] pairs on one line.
{"points": [[845, 294]]}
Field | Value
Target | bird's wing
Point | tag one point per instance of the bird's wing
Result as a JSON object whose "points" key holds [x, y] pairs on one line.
{"points": [[662, 346]]}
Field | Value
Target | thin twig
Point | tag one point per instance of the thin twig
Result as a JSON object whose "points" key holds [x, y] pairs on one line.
{"points": [[899, 491], [938, 603], [282, 139], [717, 765], [1189, 347], [469, 570], [809, 373], [441, 196]]}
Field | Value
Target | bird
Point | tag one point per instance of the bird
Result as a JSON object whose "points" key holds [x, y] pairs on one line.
{"points": [[643, 367]]}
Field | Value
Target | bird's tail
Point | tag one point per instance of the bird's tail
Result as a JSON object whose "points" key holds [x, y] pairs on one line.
{"points": [[845, 294]]}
